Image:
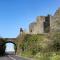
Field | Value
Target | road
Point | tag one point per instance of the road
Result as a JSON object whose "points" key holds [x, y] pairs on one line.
{"points": [[13, 57]]}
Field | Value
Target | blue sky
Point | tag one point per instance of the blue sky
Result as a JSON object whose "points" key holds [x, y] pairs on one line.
{"points": [[9, 47], [15, 14]]}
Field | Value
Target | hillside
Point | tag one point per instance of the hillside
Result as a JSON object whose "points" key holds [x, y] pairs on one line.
{"points": [[39, 45]]}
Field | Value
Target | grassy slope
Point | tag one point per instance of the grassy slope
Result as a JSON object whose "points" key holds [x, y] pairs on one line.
{"points": [[38, 46]]}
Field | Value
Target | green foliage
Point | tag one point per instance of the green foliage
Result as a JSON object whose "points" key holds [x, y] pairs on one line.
{"points": [[27, 54], [55, 37], [32, 43], [42, 56], [56, 57], [42, 47]]}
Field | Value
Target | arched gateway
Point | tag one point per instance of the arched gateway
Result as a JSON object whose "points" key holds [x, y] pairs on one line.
{"points": [[10, 47]]}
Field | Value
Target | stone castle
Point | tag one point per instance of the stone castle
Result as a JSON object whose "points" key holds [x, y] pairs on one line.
{"points": [[46, 24]]}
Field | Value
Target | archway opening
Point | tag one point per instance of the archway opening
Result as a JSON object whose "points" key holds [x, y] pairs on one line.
{"points": [[10, 47]]}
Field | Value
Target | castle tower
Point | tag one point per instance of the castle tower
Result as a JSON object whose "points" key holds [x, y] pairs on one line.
{"points": [[38, 26], [32, 27], [21, 31]]}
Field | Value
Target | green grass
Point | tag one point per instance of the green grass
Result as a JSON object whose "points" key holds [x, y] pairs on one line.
{"points": [[47, 56], [41, 47]]}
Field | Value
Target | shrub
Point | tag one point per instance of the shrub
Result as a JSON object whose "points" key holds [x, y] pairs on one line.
{"points": [[55, 57]]}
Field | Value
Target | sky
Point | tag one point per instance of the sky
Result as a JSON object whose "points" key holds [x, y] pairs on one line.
{"points": [[9, 47], [15, 14]]}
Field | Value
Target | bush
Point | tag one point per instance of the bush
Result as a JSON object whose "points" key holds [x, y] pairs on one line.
{"points": [[42, 56], [55, 57]]}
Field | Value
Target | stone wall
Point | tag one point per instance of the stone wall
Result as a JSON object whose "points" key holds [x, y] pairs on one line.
{"points": [[46, 24], [55, 21], [37, 27], [42, 25]]}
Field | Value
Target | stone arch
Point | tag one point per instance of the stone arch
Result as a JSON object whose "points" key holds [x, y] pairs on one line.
{"points": [[11, 42]]}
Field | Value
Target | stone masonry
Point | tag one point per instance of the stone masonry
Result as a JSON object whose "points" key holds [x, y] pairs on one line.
{"points": [[55, 21], [45, 24]]}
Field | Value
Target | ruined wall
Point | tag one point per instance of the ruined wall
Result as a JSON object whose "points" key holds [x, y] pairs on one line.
{"points": [[46, 24], [37, 27], [42, 25], [55, 21], [32, 27]]}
